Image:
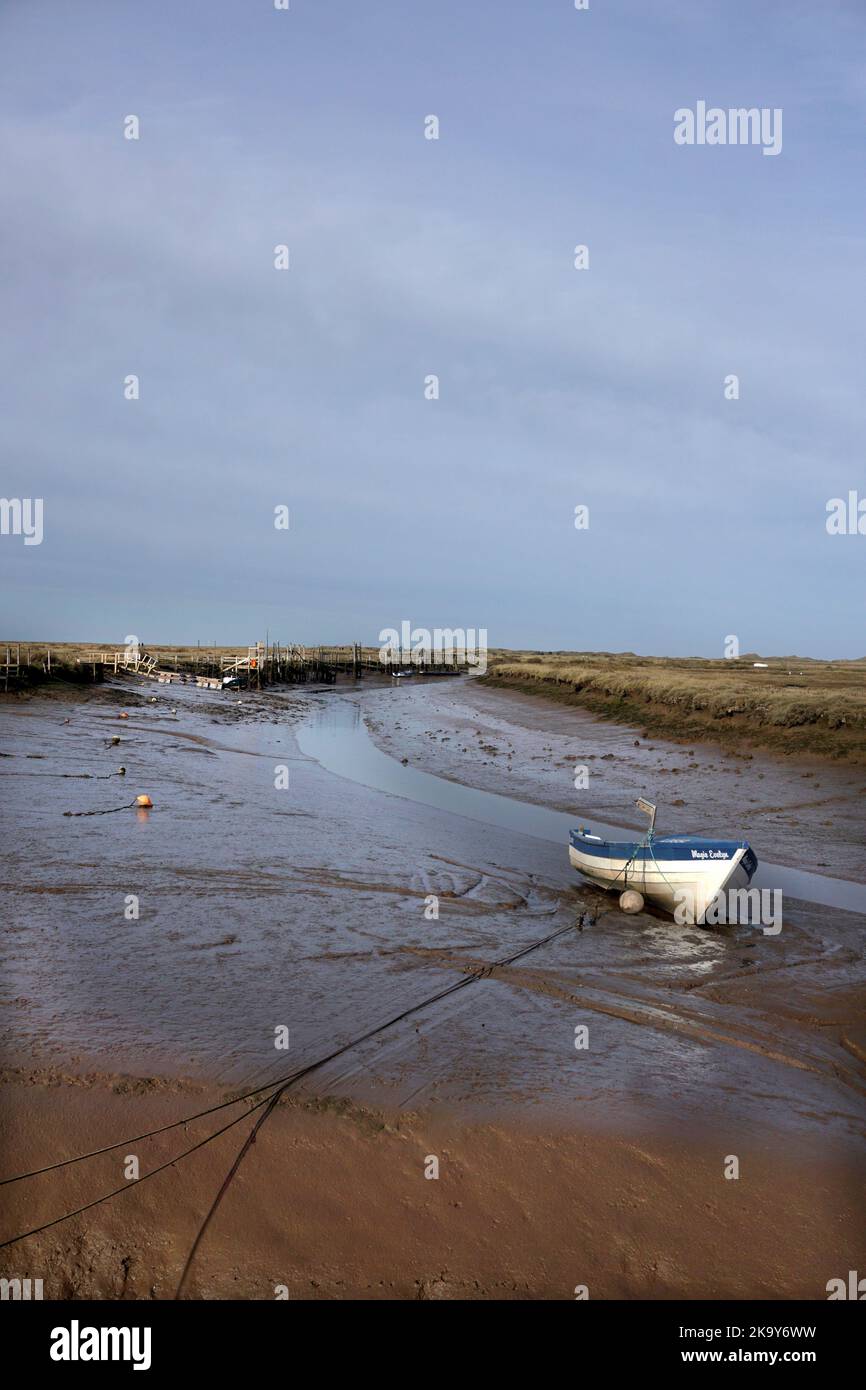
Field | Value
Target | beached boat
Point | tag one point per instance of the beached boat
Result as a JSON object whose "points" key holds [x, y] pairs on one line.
{"points": [[684, 874]]}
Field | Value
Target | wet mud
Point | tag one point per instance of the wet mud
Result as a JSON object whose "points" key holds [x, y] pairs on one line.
{"points": [[277, 890]]}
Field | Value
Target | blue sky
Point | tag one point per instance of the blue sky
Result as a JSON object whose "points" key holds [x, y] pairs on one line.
{"points": [[410, 257]]}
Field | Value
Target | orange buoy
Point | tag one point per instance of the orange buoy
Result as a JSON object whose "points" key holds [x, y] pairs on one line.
{"points": [[123, 716], [143, 801]]}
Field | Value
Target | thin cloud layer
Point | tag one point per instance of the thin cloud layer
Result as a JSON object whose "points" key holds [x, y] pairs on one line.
{"points": [[411, 257]]}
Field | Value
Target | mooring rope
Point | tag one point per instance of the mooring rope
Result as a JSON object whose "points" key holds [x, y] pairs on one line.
{"points": [[269, 1101]]}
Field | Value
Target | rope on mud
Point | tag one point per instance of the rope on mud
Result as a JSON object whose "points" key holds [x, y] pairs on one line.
{"points": [[127, 1185], [272, 1101], [74, 776], [281, 1083], [137, 1138]]}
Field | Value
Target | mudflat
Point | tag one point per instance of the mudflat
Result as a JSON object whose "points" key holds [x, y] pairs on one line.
{"points": [[332, 1202], [702, 1139]]}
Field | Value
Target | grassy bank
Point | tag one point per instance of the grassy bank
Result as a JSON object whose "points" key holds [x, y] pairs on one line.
{"points": [[793, 705]]}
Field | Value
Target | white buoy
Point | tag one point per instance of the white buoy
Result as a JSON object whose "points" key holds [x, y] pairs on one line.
{"points": [[631, 900]]}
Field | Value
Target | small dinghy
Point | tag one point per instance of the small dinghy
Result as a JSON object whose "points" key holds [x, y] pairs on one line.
{"points": [[681, 873]]}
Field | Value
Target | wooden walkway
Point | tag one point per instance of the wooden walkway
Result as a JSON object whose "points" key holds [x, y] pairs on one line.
{"points": [[261, 664], [130, 659], [271, 663], [11, 669]]}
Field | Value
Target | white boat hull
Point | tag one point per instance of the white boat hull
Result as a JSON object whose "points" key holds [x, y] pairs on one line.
{"points": [[672, 884]]}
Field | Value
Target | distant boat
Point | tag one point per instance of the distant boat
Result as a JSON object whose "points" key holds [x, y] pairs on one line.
{"points": [[669, 870]]}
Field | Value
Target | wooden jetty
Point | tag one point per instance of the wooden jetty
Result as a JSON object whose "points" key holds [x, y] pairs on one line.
{"points": [[268, 663], [133, 659], [12, 668], [215, 668]]}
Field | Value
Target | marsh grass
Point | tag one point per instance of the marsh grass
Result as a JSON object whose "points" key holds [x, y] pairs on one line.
{"points": [[794, 705]]}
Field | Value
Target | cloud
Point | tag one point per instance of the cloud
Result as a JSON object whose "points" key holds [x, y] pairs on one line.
{"points": [[305, 387]]}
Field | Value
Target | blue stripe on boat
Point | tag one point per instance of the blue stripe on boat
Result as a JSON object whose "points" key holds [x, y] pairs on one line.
{"points": [[687, 847]]}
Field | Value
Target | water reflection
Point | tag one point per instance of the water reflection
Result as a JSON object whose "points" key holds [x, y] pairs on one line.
{"points": [[337, 737]]}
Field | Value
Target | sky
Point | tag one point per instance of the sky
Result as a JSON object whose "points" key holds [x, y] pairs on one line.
{"points": [[304, 388]]}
